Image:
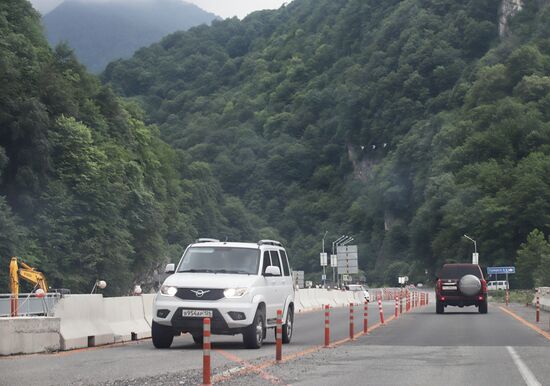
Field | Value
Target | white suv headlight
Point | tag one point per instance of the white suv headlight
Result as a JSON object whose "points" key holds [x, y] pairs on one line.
{"points": [[168, 290], [235, 292]]}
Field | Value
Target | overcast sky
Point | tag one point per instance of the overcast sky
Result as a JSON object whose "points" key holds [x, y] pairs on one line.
{"points": [[223, 8]]}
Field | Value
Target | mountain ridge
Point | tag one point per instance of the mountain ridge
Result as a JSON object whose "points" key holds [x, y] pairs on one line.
{"points": [[100, 32]]}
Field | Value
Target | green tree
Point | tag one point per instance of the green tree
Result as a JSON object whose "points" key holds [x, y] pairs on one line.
{"points": [[530, 258]]}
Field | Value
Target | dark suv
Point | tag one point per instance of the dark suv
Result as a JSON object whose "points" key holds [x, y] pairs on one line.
{"points": [[461, 285]]}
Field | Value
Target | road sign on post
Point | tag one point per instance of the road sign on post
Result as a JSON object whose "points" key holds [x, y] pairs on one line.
{"points": [[500, 270], [475, 258], [347, 259], [323, 259]]}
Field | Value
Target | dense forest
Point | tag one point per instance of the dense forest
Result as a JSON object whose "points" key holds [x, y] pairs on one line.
{"points": [[87, 190], [100, 32], [405, 124]]}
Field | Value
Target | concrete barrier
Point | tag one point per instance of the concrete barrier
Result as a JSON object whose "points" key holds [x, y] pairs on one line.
{"points": [[83, 322], [126, 318], [297, 304], [307, 298], [148, 300], [334, 296], [323, 297], [29, 335]]}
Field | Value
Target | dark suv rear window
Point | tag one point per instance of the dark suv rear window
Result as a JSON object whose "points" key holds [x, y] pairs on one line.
{"points": [[457, 271]]}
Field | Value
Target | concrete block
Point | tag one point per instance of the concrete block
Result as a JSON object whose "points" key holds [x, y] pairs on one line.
{"points": [[148, 300], [83, 322], [126, 318], [298, 307], [306, 298], [29, 335]]}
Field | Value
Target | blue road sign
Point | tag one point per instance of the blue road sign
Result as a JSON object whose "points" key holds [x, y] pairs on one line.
{"points": [[500, 270]]}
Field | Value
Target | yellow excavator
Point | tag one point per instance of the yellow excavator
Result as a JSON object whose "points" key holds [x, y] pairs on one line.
{"points": [[19, 269]]}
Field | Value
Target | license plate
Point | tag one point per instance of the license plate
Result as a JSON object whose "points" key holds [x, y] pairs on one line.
{"points": [[449, 287], [196, 313]]}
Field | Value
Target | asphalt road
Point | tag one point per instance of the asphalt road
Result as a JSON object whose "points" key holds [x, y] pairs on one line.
{"points": [[133, 362], [460, 347]]}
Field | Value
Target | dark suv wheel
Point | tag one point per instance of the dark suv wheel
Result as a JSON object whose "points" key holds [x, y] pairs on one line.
{"points": [[483, 307], [198, 338], [439, 307]]}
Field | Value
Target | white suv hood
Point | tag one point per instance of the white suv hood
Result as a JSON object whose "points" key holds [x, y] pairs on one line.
{"points": [[210, 280]]}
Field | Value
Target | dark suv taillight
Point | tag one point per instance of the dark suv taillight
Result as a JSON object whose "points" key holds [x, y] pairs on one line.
{"points": [[483, 286]]}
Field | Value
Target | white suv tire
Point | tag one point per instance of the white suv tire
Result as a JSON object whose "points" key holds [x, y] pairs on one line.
{"points": [[288, 327], [162, 336], [253, 335]]}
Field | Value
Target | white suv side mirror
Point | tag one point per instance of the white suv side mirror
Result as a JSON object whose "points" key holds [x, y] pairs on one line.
{"points": [[272, 271], [170, 268]]}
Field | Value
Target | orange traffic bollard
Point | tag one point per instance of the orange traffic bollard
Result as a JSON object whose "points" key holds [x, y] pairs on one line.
{"points": [[396, 306], [381, 311], [327, 325], [206, 371], [538, 307], [279, 332], [351, 327], [507, 297], [366, 317]]}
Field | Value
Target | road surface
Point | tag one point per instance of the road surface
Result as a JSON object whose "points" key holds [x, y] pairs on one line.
{"points": [[460, 347]]}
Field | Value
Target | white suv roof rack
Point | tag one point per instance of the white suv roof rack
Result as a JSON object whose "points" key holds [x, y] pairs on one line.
{"points": [[205, 240], [270, 242]]}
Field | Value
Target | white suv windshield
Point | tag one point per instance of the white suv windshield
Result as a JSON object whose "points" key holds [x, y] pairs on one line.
{"points": [[221, 260]]}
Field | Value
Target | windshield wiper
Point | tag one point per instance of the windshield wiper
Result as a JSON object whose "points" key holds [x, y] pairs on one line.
{"points": [[197, 270]]}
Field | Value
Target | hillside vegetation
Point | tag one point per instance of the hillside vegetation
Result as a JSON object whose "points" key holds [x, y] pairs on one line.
{"points": [[100, 32], [404, 123], [87, 190]]}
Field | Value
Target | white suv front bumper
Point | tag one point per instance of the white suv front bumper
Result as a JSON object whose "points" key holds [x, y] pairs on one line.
{"points": [[221, 308]]}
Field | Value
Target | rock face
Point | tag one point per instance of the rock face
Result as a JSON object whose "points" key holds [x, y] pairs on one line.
{"points": [[508, 8]]}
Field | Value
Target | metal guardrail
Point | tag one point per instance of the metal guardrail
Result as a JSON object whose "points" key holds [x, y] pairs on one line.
{"points": [[29, 304]]}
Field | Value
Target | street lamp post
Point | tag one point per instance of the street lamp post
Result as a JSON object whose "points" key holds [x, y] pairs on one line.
{"points": [[475, 256]]}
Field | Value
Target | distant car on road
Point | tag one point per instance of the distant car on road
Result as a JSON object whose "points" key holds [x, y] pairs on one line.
{"points": [[497, 285], [359, 287], [461, 285]]}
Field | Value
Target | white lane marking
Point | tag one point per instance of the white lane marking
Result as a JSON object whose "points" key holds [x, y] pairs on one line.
{"points": [[528, 376]]}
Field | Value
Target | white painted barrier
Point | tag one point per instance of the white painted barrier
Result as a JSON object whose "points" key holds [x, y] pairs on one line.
{"points": [[335, 297], [126, 318], [306, 298], [28, 335], [148, 300], [323, 297], [297, 304], [83, 322]]}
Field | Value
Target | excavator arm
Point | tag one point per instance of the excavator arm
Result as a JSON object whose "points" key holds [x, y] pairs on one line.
{"points": [[26, 273]]}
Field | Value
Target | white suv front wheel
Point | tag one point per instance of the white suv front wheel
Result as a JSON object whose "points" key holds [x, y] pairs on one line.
{"points": [[253, 335], [288, 327]]}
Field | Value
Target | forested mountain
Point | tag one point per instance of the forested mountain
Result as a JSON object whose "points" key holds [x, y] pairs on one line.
{"points": [[87, 190], [101, 31], [404, 123]]}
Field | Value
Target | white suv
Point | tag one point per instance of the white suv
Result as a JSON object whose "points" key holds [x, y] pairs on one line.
{"points": [[240, 286]]}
